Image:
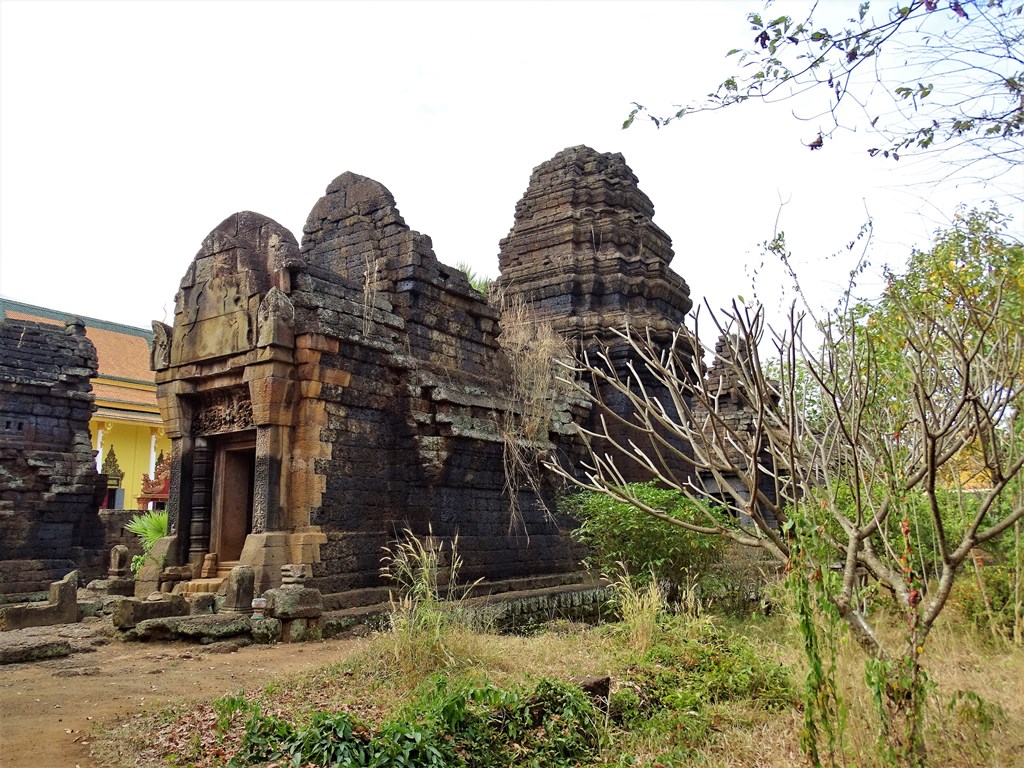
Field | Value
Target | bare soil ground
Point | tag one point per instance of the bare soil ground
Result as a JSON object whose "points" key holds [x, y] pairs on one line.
{"points": [[50, 709]]}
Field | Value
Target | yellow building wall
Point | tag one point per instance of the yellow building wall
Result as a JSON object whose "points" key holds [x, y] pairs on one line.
{"points": [[131, 442]]}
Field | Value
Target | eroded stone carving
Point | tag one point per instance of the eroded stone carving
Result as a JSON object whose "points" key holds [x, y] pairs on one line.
{"points": [[119, 561], [275, 320], [223, 411], [160, 354]]}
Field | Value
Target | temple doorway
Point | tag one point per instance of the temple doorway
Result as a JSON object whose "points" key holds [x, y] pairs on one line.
{"points": [[234, 476]]}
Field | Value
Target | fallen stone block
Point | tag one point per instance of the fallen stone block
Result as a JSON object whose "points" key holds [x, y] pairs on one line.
{"points": [[292, 603], [228, 646], [132, 611], [39, 643], [201, 604], [265, 630], [210, 628], [113, 586], [300, 630], [61, 607], [32, 649]]}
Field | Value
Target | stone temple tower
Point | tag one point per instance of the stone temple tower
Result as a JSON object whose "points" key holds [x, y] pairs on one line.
{"points": [[584, 252]]}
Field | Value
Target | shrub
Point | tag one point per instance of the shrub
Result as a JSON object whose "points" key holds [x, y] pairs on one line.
{"points": [[986, 599], [616, 532], [150, 527]]}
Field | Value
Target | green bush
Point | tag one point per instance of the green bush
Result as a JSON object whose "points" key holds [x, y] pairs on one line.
{"points": [[150, 527], [616, 532], [988, 607]]}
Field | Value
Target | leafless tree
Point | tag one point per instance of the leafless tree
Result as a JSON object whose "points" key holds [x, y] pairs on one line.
{"points": [[837, 444], [925, 77]]}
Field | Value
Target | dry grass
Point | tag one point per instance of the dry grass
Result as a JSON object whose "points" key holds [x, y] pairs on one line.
{"points": [[986, 730], [639, 608], [534, 350]]}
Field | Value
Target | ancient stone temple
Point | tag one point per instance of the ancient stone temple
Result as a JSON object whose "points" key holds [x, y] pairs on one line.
{"points": [[323, 397], [49, 487]]}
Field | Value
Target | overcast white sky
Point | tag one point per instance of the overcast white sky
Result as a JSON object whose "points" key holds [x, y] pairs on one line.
{"points": [[130, 129]]}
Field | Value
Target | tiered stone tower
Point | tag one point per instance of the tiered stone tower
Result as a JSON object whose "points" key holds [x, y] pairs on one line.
{"points": [[585, 253]]}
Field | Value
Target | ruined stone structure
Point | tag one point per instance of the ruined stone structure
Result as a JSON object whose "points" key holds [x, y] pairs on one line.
{"points": [[49, 487], [355, 386], [585, 253], [322, 398]]}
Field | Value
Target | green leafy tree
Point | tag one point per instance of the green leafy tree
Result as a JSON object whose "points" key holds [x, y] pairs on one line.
{"points": [[919, 73], [971, 268], [904, 385]]}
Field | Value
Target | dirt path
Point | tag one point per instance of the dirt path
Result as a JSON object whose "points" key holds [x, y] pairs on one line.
{"points": [[49, 709]]}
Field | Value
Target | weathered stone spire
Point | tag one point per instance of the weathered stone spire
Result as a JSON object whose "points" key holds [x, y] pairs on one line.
{"points": [[585, 251]]}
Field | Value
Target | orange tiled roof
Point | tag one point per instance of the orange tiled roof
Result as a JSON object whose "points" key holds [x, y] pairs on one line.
{"points": [[112, 393]]}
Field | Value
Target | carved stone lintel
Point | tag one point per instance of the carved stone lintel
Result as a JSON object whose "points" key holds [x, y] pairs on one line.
{"points": [[227, 410]]}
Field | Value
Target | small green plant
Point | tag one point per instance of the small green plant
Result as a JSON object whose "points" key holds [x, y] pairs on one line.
{"points": [[973, 711], [150, 527], [480, 283], [229, 706]]}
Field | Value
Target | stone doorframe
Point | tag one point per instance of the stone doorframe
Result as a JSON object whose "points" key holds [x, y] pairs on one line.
{"points": [[259, 401], [233, 494]]}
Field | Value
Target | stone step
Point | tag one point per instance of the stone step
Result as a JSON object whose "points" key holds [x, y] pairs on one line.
{"points": [[224, 567], [200, 586]]}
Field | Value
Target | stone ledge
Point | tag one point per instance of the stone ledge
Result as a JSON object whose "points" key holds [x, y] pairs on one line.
{"points": [[40, 643]]}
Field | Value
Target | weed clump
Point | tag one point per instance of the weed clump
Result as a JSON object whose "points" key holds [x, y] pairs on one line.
{"points": [[673, 692], [429, 626], [445, 726]]}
